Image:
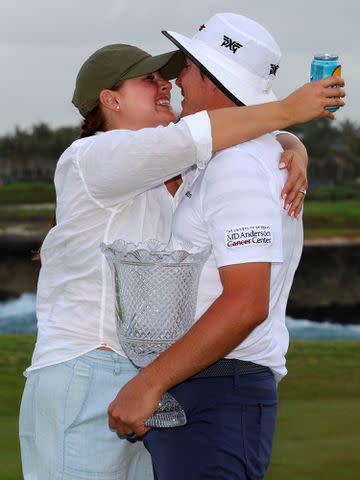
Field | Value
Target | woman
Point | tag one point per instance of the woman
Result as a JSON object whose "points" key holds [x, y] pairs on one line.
{"points": [[110, 184]]}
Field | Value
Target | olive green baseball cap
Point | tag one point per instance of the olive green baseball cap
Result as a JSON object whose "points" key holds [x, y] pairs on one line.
{"points": [[112, 63]]}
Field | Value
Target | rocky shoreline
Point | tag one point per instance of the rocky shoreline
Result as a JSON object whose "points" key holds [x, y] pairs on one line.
{"points": [[342, 314], [326, 286]]}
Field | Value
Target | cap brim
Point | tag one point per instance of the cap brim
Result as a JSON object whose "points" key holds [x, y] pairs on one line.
{"points": [[168, 64], [233, 80]]}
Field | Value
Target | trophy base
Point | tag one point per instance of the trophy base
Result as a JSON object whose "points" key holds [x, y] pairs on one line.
{"points": [[169, 413]]}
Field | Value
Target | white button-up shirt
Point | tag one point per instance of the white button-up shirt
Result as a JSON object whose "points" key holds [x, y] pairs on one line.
{"points": [[108, 186]]}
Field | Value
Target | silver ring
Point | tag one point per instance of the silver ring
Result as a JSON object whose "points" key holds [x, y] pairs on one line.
{"points": [[303, 191]]}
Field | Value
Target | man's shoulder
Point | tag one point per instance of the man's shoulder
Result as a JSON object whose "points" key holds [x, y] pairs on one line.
{"points": [[257, 146], [245, 156]]}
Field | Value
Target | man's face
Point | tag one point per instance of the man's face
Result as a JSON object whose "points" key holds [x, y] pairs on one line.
{"points": [[194, 88]]}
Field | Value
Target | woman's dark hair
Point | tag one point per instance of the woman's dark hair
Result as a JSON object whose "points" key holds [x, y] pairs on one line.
{"points": [[95, 120], [92, 123]]}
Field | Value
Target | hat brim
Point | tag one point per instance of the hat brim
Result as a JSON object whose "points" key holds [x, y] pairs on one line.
{"points": [[239, 84], [168, 64]]}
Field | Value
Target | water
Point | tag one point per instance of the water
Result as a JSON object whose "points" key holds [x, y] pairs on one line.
{"points": [[307, 330], [18, 316]]}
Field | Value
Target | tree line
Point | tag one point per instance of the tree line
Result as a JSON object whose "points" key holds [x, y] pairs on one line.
{"points": [[334, 148], [39, 140]]}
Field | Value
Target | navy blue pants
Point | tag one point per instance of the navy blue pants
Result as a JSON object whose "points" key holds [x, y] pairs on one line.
{"points": [[229, 434]]}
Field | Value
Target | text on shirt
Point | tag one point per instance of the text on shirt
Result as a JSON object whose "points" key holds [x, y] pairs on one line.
{"points": [[252, 235]]}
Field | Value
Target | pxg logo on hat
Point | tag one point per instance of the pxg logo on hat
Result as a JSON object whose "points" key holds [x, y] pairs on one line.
{"points": [[273, 69], [237, 54], [230, 44]]}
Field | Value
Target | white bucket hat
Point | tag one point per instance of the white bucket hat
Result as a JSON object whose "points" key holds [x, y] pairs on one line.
{"points": [[237, 54]]}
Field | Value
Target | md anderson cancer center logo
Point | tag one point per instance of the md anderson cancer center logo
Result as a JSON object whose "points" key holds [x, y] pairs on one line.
{"points": [[248, 236]]}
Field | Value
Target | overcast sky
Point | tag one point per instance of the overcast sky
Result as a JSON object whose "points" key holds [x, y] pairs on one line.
{"points": [[43, 44]]}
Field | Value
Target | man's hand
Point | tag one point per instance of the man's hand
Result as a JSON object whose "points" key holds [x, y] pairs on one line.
{"points": [[132, 406]]}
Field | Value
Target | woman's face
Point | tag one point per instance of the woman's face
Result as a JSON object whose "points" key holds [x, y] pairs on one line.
{"points": [[145, 102]]}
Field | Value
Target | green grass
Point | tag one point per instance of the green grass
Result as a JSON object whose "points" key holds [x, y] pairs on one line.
{"points": [[335, 212], [318, 433], [322, 219], [334, 192], [329, 233], [331, 219], [318, 425], [17, 215], [19, 193], [15, 354]]}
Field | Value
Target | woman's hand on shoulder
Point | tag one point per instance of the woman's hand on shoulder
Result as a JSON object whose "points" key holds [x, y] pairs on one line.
{"points": [[294, 191]]}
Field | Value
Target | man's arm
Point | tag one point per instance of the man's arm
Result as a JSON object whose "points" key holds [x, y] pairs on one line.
{"points": [[241, 307]]}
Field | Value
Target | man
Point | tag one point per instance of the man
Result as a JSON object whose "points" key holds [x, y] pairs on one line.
{"points": [[225, 369]]}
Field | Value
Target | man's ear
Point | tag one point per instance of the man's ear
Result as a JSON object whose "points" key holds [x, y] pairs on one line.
{"points": [[109, 100], [219, 98], [213, 93], [209, 85]]}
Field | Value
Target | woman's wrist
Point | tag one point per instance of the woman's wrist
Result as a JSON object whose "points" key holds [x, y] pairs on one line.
{"points": [[285, 113]]}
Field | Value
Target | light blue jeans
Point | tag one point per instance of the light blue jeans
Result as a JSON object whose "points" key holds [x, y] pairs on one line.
{"points": [[64, 432]]}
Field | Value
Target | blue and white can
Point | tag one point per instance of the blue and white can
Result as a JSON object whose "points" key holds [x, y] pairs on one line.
{"points": [[325, 65]]}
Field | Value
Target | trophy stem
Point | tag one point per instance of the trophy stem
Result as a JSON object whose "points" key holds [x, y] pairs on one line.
{"points": [[169, 413]]}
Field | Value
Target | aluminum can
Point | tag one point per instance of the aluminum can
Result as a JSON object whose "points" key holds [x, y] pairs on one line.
{"points": [[325, 65]]}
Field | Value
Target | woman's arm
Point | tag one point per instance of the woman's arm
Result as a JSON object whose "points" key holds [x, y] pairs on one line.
{"points": [[305, 104], [120, 164]]}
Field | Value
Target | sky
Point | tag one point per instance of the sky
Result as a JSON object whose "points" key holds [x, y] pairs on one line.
{"points": [[43, 44]]}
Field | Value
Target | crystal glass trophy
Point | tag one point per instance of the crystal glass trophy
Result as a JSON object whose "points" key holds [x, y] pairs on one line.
{"points": [[155, 302]]}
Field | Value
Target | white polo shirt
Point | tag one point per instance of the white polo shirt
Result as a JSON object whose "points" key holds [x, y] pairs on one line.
{"points": [[235, 205], [108, 186]]}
